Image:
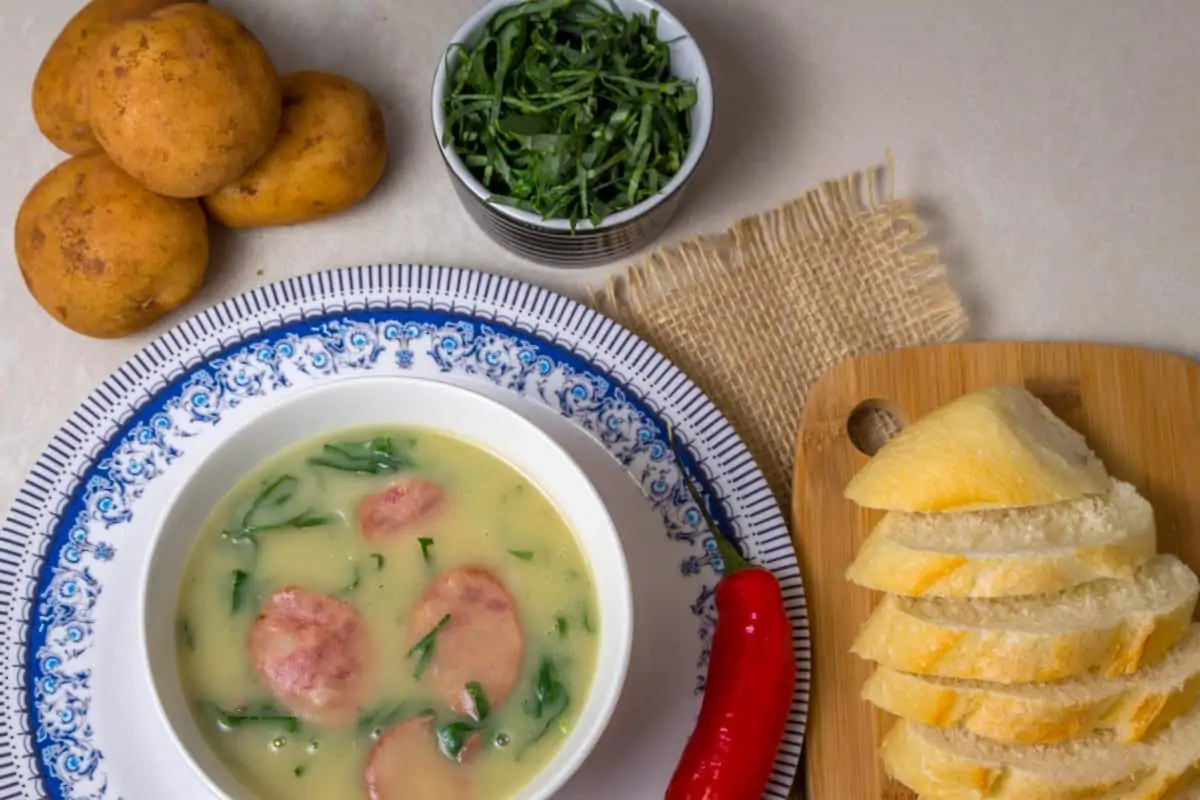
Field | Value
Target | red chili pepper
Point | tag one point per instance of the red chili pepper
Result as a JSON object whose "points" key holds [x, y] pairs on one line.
{"points": [[748, 691]]}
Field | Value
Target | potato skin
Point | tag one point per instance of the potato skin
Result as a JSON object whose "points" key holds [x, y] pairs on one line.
{"points": [[330, 153], [184, 100], [60, 86], [102, 254]]}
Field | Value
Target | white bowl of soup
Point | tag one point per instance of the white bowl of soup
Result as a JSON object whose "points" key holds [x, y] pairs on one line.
{"points": [[386, 588]]}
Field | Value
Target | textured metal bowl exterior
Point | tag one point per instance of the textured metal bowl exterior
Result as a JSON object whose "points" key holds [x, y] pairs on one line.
{"points": [[588, 247]]}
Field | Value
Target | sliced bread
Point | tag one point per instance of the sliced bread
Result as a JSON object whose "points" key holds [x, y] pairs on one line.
{"points": [[1132, 707], [998, 446], [950, 764], [1006, 552], [1110, 625], [1189, 792]]}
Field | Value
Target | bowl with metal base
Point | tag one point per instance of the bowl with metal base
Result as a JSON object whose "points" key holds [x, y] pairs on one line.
{"points": [[602, 135]]}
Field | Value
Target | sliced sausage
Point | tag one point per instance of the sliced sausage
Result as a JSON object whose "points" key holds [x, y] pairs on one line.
{"points": [[312, 652], [405, 764], [398, 508], [481, 641]]}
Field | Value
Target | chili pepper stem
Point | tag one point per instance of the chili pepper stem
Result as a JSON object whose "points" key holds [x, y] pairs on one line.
{"points": [[730, 557]]}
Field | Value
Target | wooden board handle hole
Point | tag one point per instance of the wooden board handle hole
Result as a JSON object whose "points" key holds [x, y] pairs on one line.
{"points": [[872, 423]]}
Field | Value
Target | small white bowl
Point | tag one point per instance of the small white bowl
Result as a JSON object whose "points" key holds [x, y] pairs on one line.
{"points": [[551, 241], [388, 401]]}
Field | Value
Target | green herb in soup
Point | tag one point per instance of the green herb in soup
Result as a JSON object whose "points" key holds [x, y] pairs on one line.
{"points": [[569, 109], [264, 515], [423, 649], [322, 656], [185, 634], [452, 738], [549, 699], [355, 580], [241, 582], [479, 706], [378, 456], [266, 713]]}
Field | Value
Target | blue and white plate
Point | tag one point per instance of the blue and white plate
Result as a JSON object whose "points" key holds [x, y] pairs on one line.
{"points": [[76, 715]]}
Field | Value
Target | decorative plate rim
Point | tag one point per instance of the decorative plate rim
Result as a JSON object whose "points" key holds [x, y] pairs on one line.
{"points": [[38, 521]]}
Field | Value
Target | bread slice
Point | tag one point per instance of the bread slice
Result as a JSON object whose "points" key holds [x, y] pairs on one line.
{"points": [[1132, 707], [1110, 625], [1006, 552], [1189, 792], [953, 765], [998, 446]]}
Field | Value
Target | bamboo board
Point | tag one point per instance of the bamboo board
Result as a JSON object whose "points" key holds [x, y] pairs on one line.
{"points": [[1138, 409]]}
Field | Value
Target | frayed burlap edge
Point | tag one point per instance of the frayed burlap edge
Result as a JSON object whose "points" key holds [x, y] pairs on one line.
{"points": [[758, 314]]}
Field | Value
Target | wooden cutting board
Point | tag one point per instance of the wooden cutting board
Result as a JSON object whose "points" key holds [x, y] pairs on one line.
{"points": [[1139, 410]]}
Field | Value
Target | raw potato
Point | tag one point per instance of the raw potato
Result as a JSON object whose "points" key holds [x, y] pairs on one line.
{"points": [[184, 100], [60, 86], [102, 254], [330, 153]]}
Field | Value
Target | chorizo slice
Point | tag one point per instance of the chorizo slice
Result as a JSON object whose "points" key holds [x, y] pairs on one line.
{"points": [[480, 641], [312, 652], [405, 764], [399, 508]]}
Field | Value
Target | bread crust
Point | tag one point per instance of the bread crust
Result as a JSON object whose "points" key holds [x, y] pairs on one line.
{"points": [[1132, 707], [898, 637], [1030, 551]]}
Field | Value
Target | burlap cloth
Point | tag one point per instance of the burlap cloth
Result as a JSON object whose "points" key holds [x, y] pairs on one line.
{"points": [[757, 314]]}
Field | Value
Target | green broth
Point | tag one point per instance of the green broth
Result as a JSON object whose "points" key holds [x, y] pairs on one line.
{"points": [[492, 517]]}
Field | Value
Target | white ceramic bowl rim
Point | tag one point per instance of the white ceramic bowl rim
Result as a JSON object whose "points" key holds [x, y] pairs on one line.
{"points": [[701, 123], [613, 588]]}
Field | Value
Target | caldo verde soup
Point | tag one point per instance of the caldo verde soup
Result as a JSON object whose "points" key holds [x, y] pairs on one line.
{"points": [[386, 614]]}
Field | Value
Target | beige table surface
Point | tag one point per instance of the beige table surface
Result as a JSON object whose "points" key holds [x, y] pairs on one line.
{"points": [[1053, 144]]}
